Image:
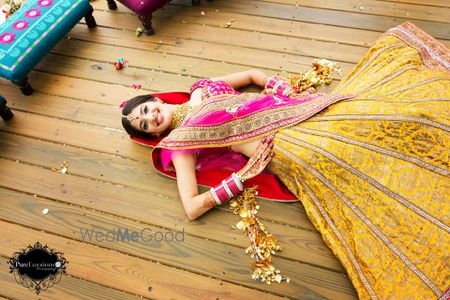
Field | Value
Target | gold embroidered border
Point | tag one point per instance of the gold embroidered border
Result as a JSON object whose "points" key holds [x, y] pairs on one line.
{"points": [[377, 117], [414, 85], [400, 100], [374, 229], [445, 295]]}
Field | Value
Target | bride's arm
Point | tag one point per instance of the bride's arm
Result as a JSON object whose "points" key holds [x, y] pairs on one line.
{"points": [[194, 204], [244, 78]]}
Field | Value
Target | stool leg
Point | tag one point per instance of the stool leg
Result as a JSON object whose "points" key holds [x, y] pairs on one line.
{"points": [[90, 20], [5, 112], [24, 86], [195, 2], [112, 5], [147, 24]]}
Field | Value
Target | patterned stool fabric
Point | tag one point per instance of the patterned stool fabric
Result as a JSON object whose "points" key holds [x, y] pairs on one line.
{"points": [[144, 9], [33, 30], [5, 112]]}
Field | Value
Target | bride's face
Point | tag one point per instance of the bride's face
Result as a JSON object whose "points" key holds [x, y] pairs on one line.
{"points": [[152, 117]]}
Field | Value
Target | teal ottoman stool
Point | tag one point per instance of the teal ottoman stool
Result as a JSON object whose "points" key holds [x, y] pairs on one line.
{"points": [[5, 112], [32, 31]]}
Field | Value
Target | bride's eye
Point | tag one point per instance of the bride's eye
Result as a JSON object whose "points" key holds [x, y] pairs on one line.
{"points": [[145, 109]]}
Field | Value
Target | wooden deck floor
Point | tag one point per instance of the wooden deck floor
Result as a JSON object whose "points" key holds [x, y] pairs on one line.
{"points": [[73, 116]]}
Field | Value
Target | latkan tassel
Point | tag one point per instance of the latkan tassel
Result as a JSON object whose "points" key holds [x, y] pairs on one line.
{"points": [[321, 72], [262, 243]]}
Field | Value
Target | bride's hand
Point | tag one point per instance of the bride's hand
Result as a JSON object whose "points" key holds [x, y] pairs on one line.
{"points": [[259, 160]]}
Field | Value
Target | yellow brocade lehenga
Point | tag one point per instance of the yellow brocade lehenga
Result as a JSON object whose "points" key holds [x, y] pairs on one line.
{"points": [[373, 172]]}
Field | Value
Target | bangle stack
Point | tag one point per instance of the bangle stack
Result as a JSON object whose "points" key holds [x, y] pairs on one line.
{"points": [[279, 86], [227, 189]]}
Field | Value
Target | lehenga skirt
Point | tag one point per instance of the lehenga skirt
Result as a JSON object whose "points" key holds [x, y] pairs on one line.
{"points": [[373, 172]]}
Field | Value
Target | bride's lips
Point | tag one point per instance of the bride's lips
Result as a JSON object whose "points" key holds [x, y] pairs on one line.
{"points": [[160, 118]]}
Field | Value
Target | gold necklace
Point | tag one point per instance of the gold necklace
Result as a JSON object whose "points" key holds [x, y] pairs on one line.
{"points": [[179, 115]]}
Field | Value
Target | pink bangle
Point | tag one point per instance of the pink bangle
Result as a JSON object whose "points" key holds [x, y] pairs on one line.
{"points": [[272, 81], [200, 83], [221, 193], [282, 88], [228, 188], [214, 195], [234, 188], [279, 86]]}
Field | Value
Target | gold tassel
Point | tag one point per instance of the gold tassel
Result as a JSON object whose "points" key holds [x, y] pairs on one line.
{"points": [[321, 72], [262, 243]]}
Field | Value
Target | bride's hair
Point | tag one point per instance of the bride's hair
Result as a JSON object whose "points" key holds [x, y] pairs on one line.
{"points": [[129, 106]]}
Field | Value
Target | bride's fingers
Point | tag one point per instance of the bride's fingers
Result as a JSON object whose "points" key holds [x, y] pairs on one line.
{"points": [[260, 147], [259, 153], [269, 158], [267, 150], [265, 161]]}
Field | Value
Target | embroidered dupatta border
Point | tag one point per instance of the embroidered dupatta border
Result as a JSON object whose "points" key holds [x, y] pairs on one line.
{"points": [[246, 128]]}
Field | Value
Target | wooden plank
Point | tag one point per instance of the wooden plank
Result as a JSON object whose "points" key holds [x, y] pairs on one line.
{"points": [[68, 288], [316, 15], [195, 27], [138, 175], [124, 272], [68, 133], [381, 8], [106, 73], [155, 56], [171, 17], [214, 43], [438, 3], [101, 72], [298, 244], [223, 59], [197, 255], [73, 88], [64, 108]]}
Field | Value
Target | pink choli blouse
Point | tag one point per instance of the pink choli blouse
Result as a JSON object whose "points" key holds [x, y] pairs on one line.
{"points": [[211, 157]]}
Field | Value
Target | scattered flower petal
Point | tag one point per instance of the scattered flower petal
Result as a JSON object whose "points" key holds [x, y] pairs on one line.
{"points": [[139, 31]]}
